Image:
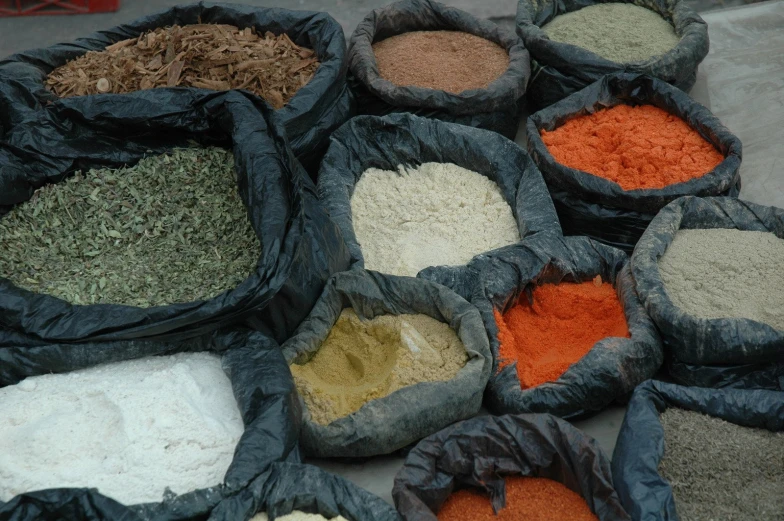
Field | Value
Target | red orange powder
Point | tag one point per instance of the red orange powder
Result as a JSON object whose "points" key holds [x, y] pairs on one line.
{"points": [[636, 147], [565, 321], [527, 499]]}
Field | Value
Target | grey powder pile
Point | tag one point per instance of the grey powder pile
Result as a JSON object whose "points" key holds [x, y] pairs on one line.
{"points": [[720, 471], [619, 32], [726, 273]]}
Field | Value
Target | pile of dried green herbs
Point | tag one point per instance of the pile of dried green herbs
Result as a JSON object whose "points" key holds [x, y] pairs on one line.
{"points": [[170, 229]]}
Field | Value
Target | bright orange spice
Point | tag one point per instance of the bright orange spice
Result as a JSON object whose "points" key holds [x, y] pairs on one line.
{"points": [[636, 147]]}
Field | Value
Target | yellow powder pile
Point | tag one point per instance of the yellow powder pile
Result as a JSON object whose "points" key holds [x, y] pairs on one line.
{"points": [[362, 360]]}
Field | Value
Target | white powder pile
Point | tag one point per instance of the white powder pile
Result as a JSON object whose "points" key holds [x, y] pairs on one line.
{"points": [[437, 214], [129, 429], [296, 515], [723, 273]]}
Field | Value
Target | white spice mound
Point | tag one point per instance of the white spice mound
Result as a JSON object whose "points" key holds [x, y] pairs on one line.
{"points": [[129, 429], [434, 215], [296, 515], [726, 273]]}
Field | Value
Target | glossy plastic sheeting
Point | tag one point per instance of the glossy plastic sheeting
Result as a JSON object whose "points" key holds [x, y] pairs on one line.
{"points": [[287, 486], [265, 395], [497, 108], [395, 421], [403, 139], [312, 114], [744, 376], [479, 453], [693, 340], [640, 447], [560, 69], [300, 246], [599, 208]]}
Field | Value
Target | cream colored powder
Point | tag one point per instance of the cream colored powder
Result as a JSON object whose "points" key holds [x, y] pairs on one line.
{"points": [[362, 360], [296, 515]]}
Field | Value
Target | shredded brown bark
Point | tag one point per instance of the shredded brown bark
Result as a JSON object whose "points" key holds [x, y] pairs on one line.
{"points": [[208, 56]]}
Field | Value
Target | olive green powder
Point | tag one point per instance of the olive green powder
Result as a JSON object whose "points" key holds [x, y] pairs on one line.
{"points": [[171, 228], [619, 32]]}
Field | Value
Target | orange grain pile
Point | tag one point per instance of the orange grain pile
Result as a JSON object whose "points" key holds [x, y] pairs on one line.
{"points": [[451, 61], [527, 499], [636, 147]]}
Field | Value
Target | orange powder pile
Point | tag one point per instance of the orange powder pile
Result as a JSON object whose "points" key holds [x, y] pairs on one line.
{"points": [[636, 147], [527, 499], [565, 321]]}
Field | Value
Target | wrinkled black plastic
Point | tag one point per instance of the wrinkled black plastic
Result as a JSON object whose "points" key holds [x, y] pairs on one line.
{"points": [[289, 486], [560, 69], [599, 208], [497, 108], [395, 421], [265, 395], [725, 341], [640, 447], [403, 139], [744, 376], [315, 111], [479, 453], [300, 246]]}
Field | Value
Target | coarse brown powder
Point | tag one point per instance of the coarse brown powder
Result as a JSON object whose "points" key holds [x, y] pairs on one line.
{"points": [[451, 61]]}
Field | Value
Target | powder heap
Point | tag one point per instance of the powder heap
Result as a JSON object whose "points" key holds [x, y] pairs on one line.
{"points": [[529, 499], [437, 214], [636, 147], [726, 273], [619, 32], [452, 61], [722, 471], [362, 360], [296, 515], [561, 326], [129, 429]]}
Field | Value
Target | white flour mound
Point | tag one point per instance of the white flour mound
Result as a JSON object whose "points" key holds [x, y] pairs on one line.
{"points": [[439, 214], [129, 429], [296, 515]]}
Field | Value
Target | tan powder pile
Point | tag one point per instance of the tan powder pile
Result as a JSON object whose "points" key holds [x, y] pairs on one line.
{"points": [[362, 360], [452, 61], [297, 515]]}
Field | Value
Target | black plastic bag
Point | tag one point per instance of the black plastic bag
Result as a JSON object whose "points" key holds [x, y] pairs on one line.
{"points": [[265, 395], [313, 113], [397, 420], [403, 139], [645, 494], [744, 376], [560, 69], [289, 486], [497, 108], [479, 453], [300, 246], [598, 208]]}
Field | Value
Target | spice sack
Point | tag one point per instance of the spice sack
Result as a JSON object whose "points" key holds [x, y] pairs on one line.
{"points": [[690, 453], [229, 38], [159, 204], [562, 65], [483, 453], [616, 212], [293, 492], [410, 192], [372, 386], [142, 430], [496, 106]]}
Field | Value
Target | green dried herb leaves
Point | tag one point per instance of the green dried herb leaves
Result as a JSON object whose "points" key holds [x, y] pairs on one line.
{"points": [[170, 229]]}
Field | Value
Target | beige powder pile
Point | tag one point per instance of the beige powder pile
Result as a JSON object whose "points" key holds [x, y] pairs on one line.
{"points": [[362, 360], [296, 515]]}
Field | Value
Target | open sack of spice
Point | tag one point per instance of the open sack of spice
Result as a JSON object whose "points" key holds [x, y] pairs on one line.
{"points": [[410, 192], [296, 492], [142, 430], [429, 59], [573, 43], [124, 228], [294, 60], [686, 453], [383, 361], [509, 468], [708, 271], [616, 152]]}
